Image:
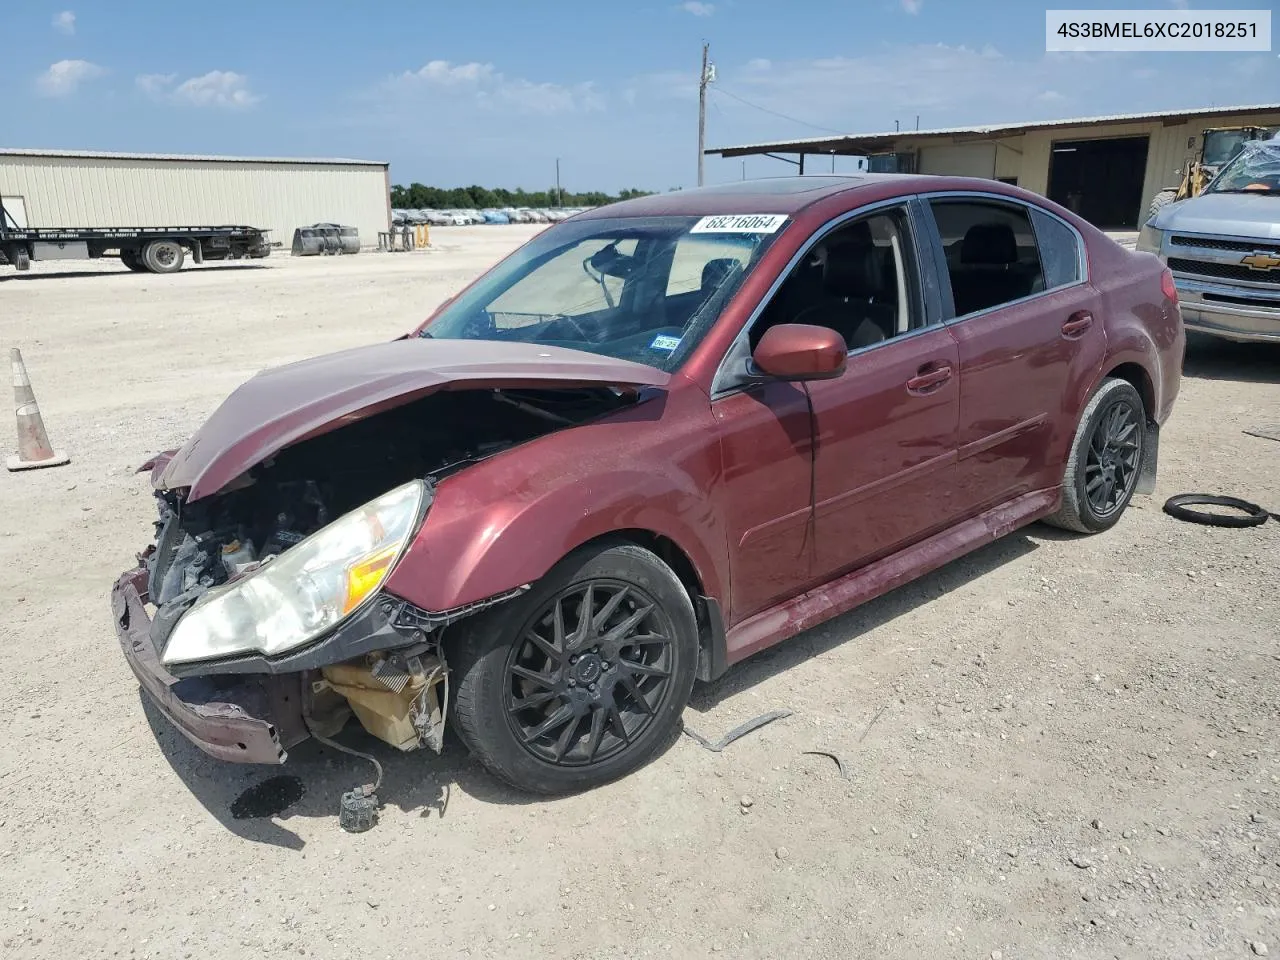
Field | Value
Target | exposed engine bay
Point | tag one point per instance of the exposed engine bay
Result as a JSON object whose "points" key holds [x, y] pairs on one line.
{"points": [[286, 498], [399, 695]]}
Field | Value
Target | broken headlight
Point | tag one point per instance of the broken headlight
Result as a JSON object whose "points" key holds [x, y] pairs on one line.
{"points": [[305, 591]]}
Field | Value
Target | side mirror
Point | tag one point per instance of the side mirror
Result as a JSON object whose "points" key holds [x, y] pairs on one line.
{"points": [[799, 351]]}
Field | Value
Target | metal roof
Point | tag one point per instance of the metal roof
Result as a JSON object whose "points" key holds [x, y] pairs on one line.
{"points": [[871, 142], [185, 157]]}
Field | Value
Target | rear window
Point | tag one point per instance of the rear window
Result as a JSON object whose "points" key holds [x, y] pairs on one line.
{"points": [[1060, 252]]}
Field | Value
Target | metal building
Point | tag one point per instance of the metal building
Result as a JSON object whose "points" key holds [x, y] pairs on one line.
{"points": [[1107, 169], [54, 188]]}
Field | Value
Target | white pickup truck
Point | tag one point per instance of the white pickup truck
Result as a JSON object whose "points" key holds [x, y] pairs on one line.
{"points": [[1224, 248]]}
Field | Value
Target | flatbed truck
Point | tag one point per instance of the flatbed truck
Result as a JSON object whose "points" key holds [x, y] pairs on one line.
{"points": [[150, 249]]}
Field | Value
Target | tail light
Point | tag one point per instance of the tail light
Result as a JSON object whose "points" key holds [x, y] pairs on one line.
{"points": [[1167, 286]]}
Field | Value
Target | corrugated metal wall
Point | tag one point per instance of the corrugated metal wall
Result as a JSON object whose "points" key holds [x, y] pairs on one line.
{"points": [[1167, 150], [112, 192]]}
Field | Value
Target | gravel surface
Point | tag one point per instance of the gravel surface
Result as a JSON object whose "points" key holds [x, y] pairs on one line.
{"points": [[1055, 747]]}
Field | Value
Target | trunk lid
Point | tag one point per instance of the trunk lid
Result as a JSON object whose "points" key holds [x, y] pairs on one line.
{"points": [[284, 405]]}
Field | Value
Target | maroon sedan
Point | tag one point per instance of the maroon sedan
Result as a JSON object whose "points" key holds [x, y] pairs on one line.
{"points": [[659, 437]]}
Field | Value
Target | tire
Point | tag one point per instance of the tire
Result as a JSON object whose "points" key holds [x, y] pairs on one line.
{"points": [[1103, 449], [163, 256], [499, 663], [1251, 515], [130, 259], [1161, 200], [21, 259]]}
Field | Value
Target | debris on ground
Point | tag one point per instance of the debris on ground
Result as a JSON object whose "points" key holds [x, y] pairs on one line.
{"points": [[737, 732]]}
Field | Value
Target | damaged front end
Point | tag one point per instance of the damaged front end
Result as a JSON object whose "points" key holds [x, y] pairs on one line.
{"points": [[259, 615]]}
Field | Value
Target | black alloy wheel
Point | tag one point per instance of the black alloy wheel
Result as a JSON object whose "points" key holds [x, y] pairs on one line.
{"points": [[1111, 467], [582, 679], [589, 672], [1105, 459]]}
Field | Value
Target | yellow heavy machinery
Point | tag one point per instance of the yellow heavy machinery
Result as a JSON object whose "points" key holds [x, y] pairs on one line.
{"points": [[1218, 145]]}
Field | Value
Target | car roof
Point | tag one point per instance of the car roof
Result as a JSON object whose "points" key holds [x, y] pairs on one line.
{"points": [[771, 195]]}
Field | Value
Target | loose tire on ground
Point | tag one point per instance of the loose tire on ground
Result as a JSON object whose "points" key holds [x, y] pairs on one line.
{"points": [[1106, 457], [1250, 515], [552, 707], [163, 256], [1160, 201], [130, 259]]}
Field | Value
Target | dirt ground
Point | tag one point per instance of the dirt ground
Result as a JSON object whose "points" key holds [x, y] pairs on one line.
{"points": [[1055, 747]]}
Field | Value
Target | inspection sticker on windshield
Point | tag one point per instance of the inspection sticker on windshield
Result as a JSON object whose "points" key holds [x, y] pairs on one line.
{"points": [[741, 223], [664, 342]]}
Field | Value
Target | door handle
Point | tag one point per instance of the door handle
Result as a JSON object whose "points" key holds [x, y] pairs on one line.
{"points": [[929, 378], [1077, 324]]}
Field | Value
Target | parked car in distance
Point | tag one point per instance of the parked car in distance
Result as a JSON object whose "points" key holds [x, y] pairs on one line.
{"points": [[1223, 247], [595, 474]]}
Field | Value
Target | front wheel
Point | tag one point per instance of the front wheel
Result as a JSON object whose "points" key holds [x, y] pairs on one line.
{"points": [[1161, 200], [1106, 457], [581, 680]]}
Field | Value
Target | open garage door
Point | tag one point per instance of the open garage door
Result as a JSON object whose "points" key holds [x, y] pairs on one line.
{"points": [[1101, 180]]}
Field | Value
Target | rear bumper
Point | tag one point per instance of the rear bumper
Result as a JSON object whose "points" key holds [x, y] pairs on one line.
{"points": [[245, 718], [1216, 309]]}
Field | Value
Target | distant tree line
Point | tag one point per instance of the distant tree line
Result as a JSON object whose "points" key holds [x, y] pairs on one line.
{"points": [[417, 196]]}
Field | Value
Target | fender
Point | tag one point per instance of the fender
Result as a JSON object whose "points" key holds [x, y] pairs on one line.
{"points": [[505, 522]]}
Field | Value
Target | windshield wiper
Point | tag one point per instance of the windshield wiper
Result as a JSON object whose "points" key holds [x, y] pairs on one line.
{"points": [[1267, 192]]}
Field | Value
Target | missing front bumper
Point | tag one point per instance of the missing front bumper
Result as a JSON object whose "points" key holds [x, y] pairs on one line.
{"points": [[245, 718]]}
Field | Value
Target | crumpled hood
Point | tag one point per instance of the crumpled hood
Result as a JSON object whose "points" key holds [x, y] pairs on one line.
{"points": [[281, 406], [1227, 214]]}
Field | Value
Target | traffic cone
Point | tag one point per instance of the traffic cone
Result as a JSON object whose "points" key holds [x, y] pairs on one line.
{"points": [[33, 443]]}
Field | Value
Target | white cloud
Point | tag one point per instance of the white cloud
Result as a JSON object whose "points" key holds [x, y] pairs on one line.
{"points": [[945, 85], [64, 77], [65, 22], [698, 8], [486, 87], [155, 84], [217, 88], [912, 6], [447, 74]]}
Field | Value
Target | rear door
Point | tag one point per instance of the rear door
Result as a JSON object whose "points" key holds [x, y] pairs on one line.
{"points": [[1030, 338]]}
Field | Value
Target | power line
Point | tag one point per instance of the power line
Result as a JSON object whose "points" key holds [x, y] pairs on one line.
{"points": [[756, 106]]}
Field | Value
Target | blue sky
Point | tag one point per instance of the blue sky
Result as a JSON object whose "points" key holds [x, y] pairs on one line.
{"points": [[492, 92]]}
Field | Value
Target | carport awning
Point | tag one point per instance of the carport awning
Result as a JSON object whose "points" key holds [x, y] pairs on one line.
{"points": [[867, 144]]}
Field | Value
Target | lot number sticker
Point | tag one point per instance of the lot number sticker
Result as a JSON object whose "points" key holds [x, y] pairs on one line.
{"points": [[741, 223]]}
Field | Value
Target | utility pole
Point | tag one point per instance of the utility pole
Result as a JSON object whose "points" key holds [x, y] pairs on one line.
{"points": [[708, 74], [559, 199]]}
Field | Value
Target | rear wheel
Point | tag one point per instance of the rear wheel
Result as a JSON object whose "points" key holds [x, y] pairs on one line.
{"points": [[583, 679], [1106, 457], [19, 256], [163, 256], [130, 259]]}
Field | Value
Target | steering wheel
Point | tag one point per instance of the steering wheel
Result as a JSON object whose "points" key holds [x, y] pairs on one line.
{"points": [[572, 322]]}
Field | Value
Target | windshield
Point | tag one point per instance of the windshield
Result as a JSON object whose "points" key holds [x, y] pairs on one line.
{"points": [[1255, 170], [1223, 145], [644, 289]]}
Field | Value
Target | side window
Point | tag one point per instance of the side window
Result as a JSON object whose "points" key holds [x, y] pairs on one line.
{"points": [[1059, 250], [991, 252], [860, 280]]}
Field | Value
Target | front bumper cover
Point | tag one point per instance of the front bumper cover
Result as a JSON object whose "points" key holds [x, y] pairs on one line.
{"points": [[251, 718]]}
